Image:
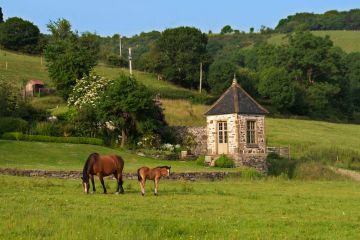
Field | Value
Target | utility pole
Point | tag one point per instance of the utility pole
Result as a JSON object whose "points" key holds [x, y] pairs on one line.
{"points": [[130, 66], [120, 45], [200, 77]]}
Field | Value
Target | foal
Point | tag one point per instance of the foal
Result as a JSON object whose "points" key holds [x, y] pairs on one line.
{"points": [[152, 174]]}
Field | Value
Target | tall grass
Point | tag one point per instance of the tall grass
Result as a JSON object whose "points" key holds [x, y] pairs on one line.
{"points": [[184, 113]]}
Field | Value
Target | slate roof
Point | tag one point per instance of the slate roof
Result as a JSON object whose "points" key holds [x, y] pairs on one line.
{"points": [[236, 100]]}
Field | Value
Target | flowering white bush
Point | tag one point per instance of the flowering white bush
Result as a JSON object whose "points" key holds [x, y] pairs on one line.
{"points": [[168, 146], [87, 90]]}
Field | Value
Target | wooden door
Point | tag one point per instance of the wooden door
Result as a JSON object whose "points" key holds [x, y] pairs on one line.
{"points": [[222, 138]]}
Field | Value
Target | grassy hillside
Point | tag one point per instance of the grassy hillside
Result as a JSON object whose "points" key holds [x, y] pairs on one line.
{"points": [[22, 68], [349, 41], [39, 208]]}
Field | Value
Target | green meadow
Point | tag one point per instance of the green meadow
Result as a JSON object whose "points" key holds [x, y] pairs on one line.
{"points": [[349, 41], [43, 208]]}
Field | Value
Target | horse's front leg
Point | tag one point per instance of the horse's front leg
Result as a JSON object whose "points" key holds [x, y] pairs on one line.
{"points": [[92, 182], [102, 183], [156, 181]]}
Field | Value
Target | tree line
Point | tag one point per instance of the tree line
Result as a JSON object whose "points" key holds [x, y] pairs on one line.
{"points": [[330, 20]]}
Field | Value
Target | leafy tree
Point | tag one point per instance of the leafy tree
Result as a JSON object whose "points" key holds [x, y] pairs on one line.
{"points": [[252, 30], [313, 56], [1, 16], [221, 74], [69, 57], [276, 85], [352, 61], [129, 107], [226, 29], [318, 98], [19, 35], [180, 52]]}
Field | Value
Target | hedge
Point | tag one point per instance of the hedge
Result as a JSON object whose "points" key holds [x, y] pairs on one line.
{"points": [[40, 138]]}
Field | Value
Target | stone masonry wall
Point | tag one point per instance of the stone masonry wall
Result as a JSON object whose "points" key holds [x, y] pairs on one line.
{"points": [[197, 134]]}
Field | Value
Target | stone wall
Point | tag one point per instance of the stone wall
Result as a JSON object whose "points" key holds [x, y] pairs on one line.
{"points": [[192, 176], [196, 135], [260, 143]]}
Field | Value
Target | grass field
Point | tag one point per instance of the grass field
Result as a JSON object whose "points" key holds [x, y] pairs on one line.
{"points": [[39, 208], [59, 156], [349, 41]]}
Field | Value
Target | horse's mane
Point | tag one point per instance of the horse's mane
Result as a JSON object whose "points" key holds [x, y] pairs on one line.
{"points": [[87, 166]]}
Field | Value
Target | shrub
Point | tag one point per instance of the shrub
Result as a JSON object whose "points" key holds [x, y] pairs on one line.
{"points": [[278, 165], [315, 171], [224, 162], [200, 160], [40, 138], [250, 173], [11, 124], [47, 129]]}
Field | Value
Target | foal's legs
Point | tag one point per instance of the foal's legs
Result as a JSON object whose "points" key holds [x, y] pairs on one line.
{"points": [[102, 183], [92, 182], [156, 182], [142, 186]]}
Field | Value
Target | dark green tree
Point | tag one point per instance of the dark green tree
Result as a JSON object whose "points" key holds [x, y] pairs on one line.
{"points": [[19, 35], [276, 85], [180, 52], [129, 106], [1, 16], [221, 74], [352, 62], [226, 29], [69, 56]]}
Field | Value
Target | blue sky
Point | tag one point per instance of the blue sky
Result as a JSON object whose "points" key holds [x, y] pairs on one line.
{"points": [[130, 17]]}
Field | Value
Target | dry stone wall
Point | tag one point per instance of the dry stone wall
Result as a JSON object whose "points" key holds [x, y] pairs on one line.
{"points": [[196, 135]]}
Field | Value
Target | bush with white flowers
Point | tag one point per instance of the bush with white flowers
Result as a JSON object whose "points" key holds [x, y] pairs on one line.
{"points": [[87, 90]]}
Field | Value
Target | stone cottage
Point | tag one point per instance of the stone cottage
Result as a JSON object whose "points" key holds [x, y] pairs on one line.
{"points": [[236, 128]]}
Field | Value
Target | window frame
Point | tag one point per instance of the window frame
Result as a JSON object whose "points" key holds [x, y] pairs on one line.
{"points": [[251, 138]]}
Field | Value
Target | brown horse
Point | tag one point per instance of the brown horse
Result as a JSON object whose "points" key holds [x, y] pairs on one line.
{"points": [[152, 174], [102, 166]]}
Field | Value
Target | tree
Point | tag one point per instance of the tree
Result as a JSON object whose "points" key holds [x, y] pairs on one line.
{"points": [[252, 30], [69, 57], [318, 98], [276, 85], [129, 107], [226, 29], [221, 74], [180, 52], [19, 35], [352, 61], [1, 16]]}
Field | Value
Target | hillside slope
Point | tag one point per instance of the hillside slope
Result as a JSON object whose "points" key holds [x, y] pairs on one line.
{"points": [[349, 41]]}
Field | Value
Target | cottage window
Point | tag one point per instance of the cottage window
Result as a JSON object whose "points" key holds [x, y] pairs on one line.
{"points": [[222, 130], [250, 132]]}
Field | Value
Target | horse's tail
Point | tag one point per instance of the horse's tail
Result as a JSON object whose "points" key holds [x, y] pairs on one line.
{"points": [[139, 175]]}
